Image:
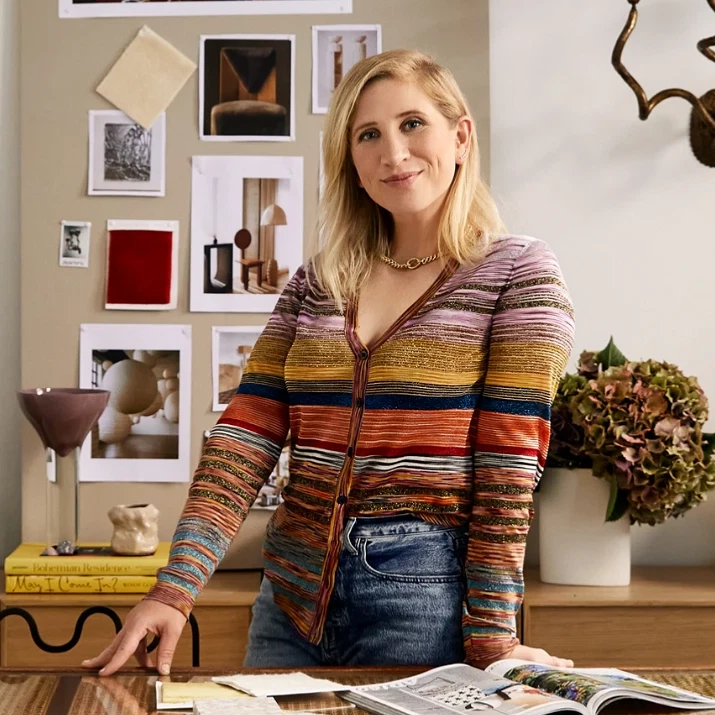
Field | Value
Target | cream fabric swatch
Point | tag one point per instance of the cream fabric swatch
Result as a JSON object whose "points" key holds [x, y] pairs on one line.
{"points": [[182, 692], [147, 77]]}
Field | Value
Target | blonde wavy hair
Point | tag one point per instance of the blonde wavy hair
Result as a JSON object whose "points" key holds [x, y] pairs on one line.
{"points": [[352, 229]]}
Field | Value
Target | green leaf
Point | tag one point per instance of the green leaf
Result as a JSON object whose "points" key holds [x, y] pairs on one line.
{"points": [[611, 356], [617, 502], [621, 507]]}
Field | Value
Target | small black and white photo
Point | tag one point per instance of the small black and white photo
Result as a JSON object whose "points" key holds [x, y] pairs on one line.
{"points": [[336, 48], [74, 243], [125, 159]]}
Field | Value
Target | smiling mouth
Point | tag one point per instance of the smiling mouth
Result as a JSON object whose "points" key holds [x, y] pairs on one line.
{"points": [[401, 178]]}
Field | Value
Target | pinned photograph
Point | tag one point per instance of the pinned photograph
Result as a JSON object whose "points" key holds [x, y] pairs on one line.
{"points": [[246, 231], [144, 8], [231, 348], [143, 433], [247, 87], [124, 158], [142, 265], [336, 48], [74, 243]]}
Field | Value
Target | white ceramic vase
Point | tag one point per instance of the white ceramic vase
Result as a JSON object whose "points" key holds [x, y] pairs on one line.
{"points": [[136, 529], [577, 546]]}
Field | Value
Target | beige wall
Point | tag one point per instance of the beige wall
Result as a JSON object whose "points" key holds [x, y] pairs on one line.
{"points": [[9, 275], [62, 63]]}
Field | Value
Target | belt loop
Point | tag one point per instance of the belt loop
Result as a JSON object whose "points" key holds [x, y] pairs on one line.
{"points": [[349, 524]]}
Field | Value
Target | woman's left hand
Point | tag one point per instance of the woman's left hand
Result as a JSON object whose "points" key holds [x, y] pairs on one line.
{"points": [[538, 655]]}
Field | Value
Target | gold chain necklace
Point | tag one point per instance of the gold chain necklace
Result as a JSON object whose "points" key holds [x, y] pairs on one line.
{"points": [[412, 263]]}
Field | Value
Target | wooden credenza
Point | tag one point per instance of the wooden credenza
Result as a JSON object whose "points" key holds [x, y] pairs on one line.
{"points": [[222, 611], [664, 618]]}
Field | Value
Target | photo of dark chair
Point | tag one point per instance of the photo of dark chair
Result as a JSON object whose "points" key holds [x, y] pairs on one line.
{"points": [[243, 241], [247, 94]]}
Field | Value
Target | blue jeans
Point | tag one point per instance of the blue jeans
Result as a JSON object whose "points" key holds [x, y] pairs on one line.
{"points": [[397, 600]]}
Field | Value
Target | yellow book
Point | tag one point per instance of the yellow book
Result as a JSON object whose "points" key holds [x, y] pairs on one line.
{"points": [[91, 559], [35, 583]]}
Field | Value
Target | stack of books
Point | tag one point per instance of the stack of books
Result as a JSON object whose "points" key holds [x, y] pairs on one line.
{"points": [[94, 568]]}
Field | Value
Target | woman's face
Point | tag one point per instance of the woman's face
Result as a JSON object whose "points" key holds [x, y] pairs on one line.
{"points": [[404, 149]]}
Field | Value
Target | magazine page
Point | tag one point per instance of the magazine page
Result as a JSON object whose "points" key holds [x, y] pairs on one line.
{"points": [[457, 688], [594, 687]]}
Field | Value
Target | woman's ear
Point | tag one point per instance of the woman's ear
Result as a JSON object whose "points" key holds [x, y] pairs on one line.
{"points": [[465, 132]]}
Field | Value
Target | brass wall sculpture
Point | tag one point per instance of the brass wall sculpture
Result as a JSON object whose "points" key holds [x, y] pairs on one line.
{"points": [[702, 118]]}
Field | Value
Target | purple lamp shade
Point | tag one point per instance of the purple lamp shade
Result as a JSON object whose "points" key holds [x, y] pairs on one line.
{"points": [[63, 416]]}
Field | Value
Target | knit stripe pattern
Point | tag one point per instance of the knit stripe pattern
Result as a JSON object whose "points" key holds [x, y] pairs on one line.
{"points": [[446, 417]]}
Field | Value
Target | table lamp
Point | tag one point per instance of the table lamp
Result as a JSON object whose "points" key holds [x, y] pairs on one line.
{"points": [[63, 417]]}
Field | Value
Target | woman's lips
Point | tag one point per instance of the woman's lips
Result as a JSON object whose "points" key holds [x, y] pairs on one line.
{"points": [[402, 180]]}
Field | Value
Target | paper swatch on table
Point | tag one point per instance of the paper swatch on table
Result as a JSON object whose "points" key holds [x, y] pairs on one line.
{"points": [[279, 684], [181, 696], [146, 78]]}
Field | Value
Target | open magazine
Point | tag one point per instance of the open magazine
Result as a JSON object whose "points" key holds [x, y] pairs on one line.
{"points": [[516, 686]]}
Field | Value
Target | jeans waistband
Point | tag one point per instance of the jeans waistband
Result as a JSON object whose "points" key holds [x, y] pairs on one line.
{"points": [[372, 526]]}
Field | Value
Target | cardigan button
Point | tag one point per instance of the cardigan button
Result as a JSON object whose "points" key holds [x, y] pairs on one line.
{"points": [[359, 402], [342, 499], [364, 354], [350, 451]]}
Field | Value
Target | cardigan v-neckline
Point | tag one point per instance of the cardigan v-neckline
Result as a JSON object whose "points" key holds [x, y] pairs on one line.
{"points": [[357, 345]]}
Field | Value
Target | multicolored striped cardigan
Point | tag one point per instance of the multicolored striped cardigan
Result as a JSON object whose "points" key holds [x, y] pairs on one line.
{"points": [[446, 416]]}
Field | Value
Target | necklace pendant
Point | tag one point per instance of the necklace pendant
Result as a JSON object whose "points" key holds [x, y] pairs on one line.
{"points": [[413, 263]]}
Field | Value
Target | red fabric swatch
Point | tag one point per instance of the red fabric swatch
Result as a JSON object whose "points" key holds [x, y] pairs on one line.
{"points": [[139, 269]]}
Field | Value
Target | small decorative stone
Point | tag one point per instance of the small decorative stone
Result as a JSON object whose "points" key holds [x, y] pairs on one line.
{"points": [[66, 548], [49, 551]]}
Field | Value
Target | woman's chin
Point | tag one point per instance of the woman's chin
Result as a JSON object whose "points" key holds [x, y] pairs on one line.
{"points": [[406, 206]]}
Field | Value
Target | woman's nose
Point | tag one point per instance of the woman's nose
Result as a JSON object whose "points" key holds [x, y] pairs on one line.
{"points": [[394, 150]]}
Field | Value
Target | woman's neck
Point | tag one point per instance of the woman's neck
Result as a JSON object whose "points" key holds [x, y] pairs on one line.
{"points": [[414, 238]]}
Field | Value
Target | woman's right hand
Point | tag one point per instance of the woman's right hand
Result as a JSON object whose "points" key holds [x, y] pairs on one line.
{"points": [[146, 618]]}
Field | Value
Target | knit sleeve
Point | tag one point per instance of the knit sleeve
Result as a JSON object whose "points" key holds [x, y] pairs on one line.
{"points": [[238, 457], [529, 346]]}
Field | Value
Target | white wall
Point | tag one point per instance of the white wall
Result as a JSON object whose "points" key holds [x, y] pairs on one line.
{"points": [[10, 415], [624, 203]]}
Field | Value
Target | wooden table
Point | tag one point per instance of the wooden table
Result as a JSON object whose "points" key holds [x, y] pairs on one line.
{"points": [[53, 692], [132, 692]]}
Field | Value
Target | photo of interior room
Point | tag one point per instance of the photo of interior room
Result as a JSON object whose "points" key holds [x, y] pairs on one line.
{"points": [[246, 225]]}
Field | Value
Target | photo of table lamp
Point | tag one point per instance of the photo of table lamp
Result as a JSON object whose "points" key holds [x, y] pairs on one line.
{"points": [[273, 215], [63, 417]]}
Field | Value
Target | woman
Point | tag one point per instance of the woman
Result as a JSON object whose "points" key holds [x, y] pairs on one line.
{"points": [[414, 360]]}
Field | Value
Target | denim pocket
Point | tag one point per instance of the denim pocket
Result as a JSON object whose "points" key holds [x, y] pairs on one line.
{"points": [[423, 557]]}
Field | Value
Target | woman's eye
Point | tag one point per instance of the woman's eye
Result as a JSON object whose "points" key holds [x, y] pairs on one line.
{"points": [[413, 123], [369, 134]]}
